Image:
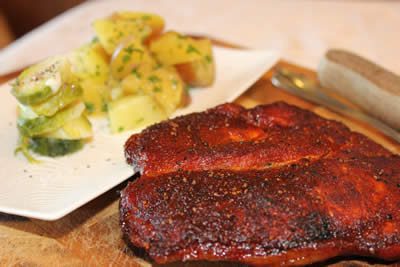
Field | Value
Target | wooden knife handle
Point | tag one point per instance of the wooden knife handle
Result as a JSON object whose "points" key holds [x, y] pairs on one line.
{"points": [[371, 87]]}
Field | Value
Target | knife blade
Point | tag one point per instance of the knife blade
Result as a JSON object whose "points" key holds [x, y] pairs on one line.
{"points": [[284, 79]]}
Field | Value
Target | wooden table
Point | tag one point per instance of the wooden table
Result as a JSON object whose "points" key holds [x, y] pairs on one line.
{"points": [[90, 236]]}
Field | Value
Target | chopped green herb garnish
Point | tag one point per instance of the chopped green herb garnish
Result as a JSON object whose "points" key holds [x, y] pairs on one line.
{"points": [[181, 36], [120, 129], [136, 73], [104, 107], [157, 89], [208, 58], [89, 107], [94, 40], [154, 79], [129, 49], [192, 49], [121, 68], [126, 58], [146, 17], [174, 82], [139, 120]]}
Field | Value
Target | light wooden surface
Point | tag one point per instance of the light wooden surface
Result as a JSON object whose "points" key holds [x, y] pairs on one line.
{"points": [[90, 236]]}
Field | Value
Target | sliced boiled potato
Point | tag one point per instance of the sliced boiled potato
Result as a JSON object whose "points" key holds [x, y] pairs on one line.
{"points": [[155, 22], [129, 56], [132, 84], [173, 48], [38, 82], [90, 66], [131, 112], [79, 128], [200, 72], [43, 124], [166, 86], [89, 61], [111, 32]]}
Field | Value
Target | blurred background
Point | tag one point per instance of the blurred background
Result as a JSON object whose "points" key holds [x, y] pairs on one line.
{"points": [[300, 30], [18, 17]]}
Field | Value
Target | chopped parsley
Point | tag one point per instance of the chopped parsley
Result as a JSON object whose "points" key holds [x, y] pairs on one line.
{"points": [[89, 106], [208, 58], [104, 107], [120, 129], [192, 49], [126, 58], [139, 120], [146, 17], [135, 72], [157, 89], [153, 79]]}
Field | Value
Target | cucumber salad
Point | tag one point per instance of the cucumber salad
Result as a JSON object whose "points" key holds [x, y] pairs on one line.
{"points": [[132, 72]]}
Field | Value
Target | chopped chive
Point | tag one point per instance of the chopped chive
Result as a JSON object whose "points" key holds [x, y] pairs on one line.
{"points": [[146, 17], [154, 79], [192, 49], [120, 129], [181, 36], [208, 58], [136, 73], [139, 120], [120, 69], [89, 106], [104, 107], [157, 89], [126, 58]]}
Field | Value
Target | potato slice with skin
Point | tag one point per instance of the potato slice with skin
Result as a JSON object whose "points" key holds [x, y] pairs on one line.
{"points": [[130, 55], [131, 112], [201, 72], [111, 32], [173, 48]]}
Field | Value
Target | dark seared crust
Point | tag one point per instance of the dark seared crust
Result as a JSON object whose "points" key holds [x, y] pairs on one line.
{"points": [[318, 210], [334, 193], [231, 137]]}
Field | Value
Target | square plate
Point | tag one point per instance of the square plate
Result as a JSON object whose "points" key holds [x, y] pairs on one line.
{"points": [[57, 186]]}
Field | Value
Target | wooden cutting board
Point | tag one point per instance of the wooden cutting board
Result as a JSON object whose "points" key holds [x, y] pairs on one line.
{"points": [[91, 236]]}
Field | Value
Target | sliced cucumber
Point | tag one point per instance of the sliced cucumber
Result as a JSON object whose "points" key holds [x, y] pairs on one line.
{"points": [[67, 95], [54, 147], [79, 128], [43, 124], [39, 82]]}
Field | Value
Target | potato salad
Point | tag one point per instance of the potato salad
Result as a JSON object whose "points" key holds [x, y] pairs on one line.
{"points": [[133, 73]]}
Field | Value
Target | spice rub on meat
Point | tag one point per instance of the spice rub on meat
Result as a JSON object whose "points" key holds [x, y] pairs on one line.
{"points": [[270, 185]]}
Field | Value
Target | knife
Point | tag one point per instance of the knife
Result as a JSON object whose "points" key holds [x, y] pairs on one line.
{"points": [[307, 89], [371, 87]]}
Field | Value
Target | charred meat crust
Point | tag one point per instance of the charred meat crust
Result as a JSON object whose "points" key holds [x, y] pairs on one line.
{"points": [[271, 185]]}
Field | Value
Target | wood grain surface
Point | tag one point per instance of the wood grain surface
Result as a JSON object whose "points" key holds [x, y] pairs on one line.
{"points": [[91, 236]]}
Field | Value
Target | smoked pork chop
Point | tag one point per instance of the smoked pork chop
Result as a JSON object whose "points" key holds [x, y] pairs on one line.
{"points": [[272, 185]]}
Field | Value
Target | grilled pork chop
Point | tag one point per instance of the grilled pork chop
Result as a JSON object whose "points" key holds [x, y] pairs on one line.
{"points": [[271, 185]]}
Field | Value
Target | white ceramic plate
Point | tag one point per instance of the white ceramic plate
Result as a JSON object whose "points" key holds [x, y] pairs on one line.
{"points": [[57, 186]]}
